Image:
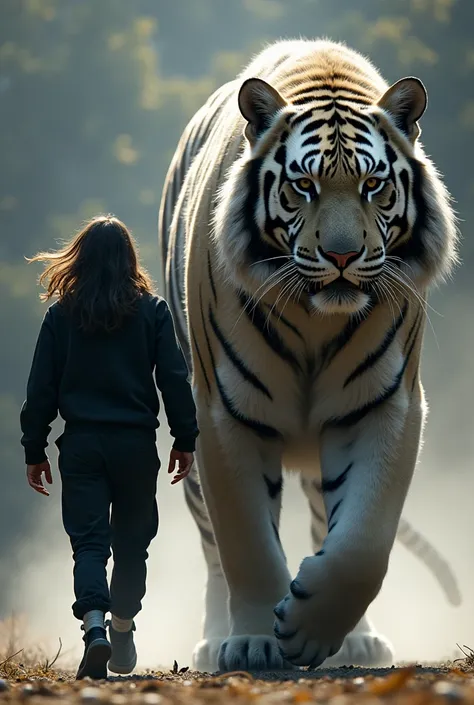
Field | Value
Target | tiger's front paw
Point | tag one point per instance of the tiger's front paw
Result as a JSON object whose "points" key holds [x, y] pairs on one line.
{"points": [[251, 652], [322, 607], [299, 642]]}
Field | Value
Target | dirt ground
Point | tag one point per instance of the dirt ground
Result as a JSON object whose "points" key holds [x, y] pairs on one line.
{"points": [[411, 685]]}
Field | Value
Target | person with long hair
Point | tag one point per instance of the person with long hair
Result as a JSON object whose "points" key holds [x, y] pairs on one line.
{"points": [[102, 346]]}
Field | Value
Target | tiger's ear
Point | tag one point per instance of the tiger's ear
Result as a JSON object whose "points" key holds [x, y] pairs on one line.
{"points": [[406, 102], [258, 103]]}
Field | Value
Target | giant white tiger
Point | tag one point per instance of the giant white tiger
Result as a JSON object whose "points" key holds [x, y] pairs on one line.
{"points": [[301, 227]]}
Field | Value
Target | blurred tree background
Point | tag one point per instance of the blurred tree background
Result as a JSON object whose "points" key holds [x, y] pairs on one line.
{"points": [[93, 97]]}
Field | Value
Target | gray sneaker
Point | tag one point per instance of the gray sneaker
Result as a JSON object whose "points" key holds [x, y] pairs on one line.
{"points": [[124, 654]]}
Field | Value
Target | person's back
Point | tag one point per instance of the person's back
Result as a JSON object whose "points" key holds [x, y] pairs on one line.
{"points": [[100, 347], [106, 376]]}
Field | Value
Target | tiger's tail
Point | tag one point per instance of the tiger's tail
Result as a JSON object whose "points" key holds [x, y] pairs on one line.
{"points": [[433, 560]]}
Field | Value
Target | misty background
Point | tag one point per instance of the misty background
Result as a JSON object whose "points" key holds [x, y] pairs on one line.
{"points": [[93, 98]]}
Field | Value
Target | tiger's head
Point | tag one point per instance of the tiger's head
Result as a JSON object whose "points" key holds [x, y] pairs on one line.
{"points": [[332, 199]]}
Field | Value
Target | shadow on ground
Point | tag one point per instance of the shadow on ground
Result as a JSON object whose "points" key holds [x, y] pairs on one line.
{"points": [[294, 675]]}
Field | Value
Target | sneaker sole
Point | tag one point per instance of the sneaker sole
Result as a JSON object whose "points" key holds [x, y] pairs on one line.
{"points": [[121, 669], [95, 665]]}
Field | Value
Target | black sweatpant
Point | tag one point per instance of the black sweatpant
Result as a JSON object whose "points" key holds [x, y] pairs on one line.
{"points": [[101, 471]]}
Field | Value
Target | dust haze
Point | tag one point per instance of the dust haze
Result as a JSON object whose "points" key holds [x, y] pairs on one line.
{"points": [[88, 131]]}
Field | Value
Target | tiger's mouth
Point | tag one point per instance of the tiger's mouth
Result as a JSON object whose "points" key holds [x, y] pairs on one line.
{"points": [[340, 286], [338, 296]]}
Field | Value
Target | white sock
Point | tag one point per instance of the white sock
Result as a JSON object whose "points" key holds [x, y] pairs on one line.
{"points": [[94, 618], [121, 625]]}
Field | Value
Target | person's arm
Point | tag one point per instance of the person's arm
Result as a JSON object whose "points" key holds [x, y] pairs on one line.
{"points": [[172, 379], [41, 405]]}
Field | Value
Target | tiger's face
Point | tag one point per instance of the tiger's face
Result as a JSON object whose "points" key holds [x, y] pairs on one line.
{"points": [[336, 200], [334, 204]]}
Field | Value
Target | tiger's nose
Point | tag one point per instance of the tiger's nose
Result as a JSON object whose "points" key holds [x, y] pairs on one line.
{"points": [[341, 259]]}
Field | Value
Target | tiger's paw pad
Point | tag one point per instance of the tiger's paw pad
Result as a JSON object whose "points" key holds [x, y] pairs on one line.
{"points": [[370, 650], [205, 654], [253, 652]]}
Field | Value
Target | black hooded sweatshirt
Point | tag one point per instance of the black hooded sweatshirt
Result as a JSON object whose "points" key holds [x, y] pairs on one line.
{"points": [[105, 380]]}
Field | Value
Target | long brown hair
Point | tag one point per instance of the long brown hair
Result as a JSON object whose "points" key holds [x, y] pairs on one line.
{"points": [[97, 274]]}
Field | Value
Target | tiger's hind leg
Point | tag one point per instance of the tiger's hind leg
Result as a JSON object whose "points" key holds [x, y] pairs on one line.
{"points": [[363, 646], [216, 616]]}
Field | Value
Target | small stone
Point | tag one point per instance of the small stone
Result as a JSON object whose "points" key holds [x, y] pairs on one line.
{"points": [[4, 685], [448, 690], [151, 698], [27, 690], [90, 695], [118, 699]]}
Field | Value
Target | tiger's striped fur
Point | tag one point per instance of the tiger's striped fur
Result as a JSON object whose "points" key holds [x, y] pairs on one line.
{"points": [[301, 226]]}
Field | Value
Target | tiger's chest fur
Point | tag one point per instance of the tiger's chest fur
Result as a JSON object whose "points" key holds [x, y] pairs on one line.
{"points": [[296, 372]]}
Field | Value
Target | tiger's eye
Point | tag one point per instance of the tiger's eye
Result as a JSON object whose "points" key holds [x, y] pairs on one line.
{"points": [[372, 183], [304, 184]]}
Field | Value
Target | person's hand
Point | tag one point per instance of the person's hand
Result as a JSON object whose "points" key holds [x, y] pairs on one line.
{"points": [[185, 462], [34, 475]]}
